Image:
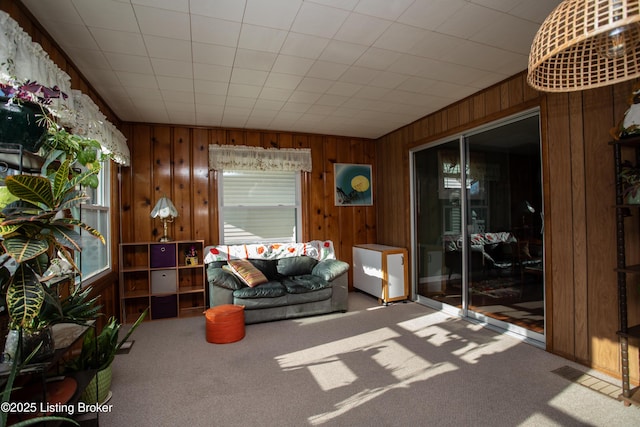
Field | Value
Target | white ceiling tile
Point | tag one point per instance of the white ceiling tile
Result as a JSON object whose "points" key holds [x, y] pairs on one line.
{"points": [[344, 88], [213, 54], [131, 63], [172, 97], [312, 84], [89, 58], [216, 73], [207, 94], [468, 20], [501, 5], [296, 107], [355, 67], [509, 33], [275, 94], [243, 90], [434, 45], [168, 67], [388, 80], [282, 81], [74, 36], [371, 92], [107, 14], [175, 83], [249, 77], [302, 96], [261, 38], [400, 37], [362, 29], [162, 47], [237, 101], [383, 8], [359, 75], [119, 42], [534, 11], [332, 100], [430, 14], [340, 4], [286, 64], [268, 104], [136, 80], [231, 10], [214, 31], [59, 12], [145, 93], [378, 59], [303, 45], [326, 70], [175, 5], [254, 59], [163, 23], [318, 20], [342, 52], [272, 13]]}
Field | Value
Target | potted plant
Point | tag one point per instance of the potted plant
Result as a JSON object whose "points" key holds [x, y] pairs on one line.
{"points": [[33, 229], [97, 354], [630, 178], [22, 106]]}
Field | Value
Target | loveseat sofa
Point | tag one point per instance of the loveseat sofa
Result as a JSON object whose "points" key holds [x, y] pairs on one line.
{"points": [[277, 281]]}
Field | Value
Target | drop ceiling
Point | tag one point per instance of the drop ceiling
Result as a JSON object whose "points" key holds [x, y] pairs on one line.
{"points": [[359, 68]]}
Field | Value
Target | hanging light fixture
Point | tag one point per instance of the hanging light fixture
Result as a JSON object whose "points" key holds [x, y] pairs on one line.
{"points": [[584, 44], [166, 211]]}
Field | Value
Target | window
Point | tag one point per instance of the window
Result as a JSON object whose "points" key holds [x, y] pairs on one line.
{"points": [[259, 206], [95, 257]]}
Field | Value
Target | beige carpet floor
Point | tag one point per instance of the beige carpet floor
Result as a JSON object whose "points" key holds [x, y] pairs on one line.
{"points": [[397, 365]]}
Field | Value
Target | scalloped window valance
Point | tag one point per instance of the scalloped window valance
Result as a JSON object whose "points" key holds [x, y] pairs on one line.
{"points": [[22, 59], [242, 157]]}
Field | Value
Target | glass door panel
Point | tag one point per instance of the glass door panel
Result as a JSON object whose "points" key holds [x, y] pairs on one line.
{"points": [[479, 227], [439, 223], [504, 230]]}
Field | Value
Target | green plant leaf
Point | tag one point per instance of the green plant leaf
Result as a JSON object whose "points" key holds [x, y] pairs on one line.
{"points": [[22, 248], [25, 296], [34, 189]]}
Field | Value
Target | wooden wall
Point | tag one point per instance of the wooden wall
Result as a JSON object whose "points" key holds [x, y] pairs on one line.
{"points": [[578, 179], [173, 160]]}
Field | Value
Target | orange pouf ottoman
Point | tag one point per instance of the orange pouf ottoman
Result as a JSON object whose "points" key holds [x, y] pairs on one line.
{"points": [[225, 323]]}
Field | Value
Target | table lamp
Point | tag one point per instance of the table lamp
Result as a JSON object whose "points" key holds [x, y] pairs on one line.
{"points": [[166, 211]]}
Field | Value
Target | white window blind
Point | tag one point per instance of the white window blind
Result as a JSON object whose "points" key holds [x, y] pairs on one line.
{"points": [[259, 206]]}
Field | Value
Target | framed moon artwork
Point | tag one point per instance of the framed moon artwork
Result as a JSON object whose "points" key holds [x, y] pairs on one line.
{"points": [[353, 184]]}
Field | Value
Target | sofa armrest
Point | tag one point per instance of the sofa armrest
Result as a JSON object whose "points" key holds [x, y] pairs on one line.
{"points": [[221, 285], [330, 269], [340, 293]]}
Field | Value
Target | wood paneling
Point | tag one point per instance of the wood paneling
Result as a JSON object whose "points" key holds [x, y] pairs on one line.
{"points": [[173, 160], [578, 181]]}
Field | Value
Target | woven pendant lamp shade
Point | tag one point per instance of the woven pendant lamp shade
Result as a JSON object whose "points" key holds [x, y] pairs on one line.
{"points": [[585, 44]]}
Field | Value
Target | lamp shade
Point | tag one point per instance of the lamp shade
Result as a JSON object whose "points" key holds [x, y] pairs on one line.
{"points": [[585, 44], [164, 209]]}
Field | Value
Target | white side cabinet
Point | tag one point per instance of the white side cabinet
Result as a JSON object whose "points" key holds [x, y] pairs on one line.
{"points": [[381, 271]]}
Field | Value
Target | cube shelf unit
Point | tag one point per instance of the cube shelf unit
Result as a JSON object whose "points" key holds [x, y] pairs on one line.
{"points": [[160, 275]]}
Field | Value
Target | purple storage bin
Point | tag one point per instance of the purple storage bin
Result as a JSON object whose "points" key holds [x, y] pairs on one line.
{"points": [[163, 255], [164, 306]]}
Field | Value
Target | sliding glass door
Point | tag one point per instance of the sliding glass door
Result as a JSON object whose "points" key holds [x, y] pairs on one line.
{"points": [[478, 225]]}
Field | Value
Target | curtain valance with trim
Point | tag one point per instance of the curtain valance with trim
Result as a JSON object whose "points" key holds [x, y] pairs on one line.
{"points": [[22, 59], [242, 157]]}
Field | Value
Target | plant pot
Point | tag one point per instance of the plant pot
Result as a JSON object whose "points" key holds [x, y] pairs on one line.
{"points": [[633, 200], [91, 395], [29, 343], [19, 124]]}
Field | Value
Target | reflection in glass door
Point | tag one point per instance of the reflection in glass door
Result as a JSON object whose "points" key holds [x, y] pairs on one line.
{"points": [[479, 244]]}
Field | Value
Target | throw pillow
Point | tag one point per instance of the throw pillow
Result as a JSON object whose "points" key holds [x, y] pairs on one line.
{"points": [[247, 272], [296, 266]]}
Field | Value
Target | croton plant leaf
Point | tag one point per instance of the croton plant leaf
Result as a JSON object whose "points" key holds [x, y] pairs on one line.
{"points": [[25, 296]]}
